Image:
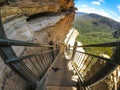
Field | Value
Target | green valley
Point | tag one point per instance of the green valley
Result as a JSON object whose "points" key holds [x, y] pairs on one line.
{"points": [[94, 29]]}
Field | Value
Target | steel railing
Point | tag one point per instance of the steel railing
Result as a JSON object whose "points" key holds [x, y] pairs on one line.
{"points": [[92, 68], [33, 66]]}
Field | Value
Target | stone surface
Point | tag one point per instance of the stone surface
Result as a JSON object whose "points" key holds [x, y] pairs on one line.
{"points": [[30, 7], [59, 31], [43, 22], [18, 29]]}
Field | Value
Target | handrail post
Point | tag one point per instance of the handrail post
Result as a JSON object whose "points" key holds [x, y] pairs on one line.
{"points": [[68, 50], [56, 50], [74, 50], [51, 48]]}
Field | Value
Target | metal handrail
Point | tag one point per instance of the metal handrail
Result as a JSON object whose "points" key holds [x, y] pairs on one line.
{"points": [[27, 56], [81, 81], [9, 42], [36, 64], [109, 44], [30, 67], [83, 61], [111, 60]]}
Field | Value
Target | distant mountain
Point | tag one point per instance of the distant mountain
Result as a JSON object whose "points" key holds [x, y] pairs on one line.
{"points": [[80, 13], [105, 20], [97, 23], [99, 19]]}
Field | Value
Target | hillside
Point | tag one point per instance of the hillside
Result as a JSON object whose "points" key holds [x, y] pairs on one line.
{"points": [[94, 28]]}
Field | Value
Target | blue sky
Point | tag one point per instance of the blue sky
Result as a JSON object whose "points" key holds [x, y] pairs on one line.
{"points": [[108, 8]]}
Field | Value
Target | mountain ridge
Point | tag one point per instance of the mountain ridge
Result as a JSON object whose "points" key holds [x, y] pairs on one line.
{"points": [[102, 19]]}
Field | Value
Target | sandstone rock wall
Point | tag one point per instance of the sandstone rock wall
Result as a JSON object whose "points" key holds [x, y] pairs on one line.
{"points": [[30, 7], [111, 82], [52, 23]]}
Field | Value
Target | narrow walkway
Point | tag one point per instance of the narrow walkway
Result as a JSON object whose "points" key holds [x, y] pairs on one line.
{"points": [[60, 76]]}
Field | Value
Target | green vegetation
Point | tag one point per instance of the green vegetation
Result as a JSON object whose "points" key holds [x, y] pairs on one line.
{"points": [[92, 31]]}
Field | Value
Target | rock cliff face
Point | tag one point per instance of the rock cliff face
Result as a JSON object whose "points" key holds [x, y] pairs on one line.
{"points": [[39, 21], [30, 7]]}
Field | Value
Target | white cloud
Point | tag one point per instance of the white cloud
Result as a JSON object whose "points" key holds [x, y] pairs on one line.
{"points": [[102, 12], [101, 1], [93, 10], [118, 7], [84, 5], [96, 3]]}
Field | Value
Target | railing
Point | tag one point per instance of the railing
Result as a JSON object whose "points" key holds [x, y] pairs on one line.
{"points": [[31, 67], [92, 68]]}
